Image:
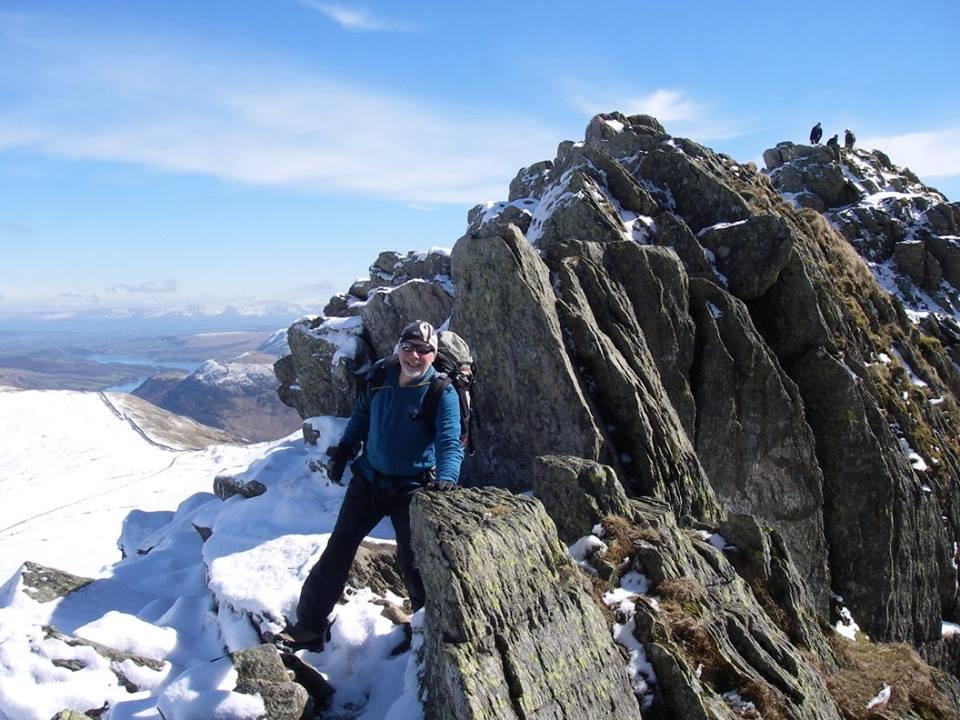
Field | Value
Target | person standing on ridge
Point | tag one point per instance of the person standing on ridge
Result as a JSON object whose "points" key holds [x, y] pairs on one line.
{"points": [[401, 455], [833, 145], [816, 132], [849, 139]]}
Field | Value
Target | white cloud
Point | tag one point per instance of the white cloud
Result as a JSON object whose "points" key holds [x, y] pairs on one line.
{"points": [[933, 153], [151, 287], [171, 108], [353, 18], [679, 113]]}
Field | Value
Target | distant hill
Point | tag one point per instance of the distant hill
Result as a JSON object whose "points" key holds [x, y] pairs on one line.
{"points": [[239, 397]]}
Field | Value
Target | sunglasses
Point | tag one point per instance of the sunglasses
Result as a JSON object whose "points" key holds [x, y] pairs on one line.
{"points": [[418, 348]]}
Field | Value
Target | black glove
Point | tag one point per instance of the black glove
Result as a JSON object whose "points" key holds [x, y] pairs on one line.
{"points": [[340, 455], [441, 486]]}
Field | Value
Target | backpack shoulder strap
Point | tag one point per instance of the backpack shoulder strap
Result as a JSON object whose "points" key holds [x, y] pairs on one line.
{"points": [[431, 401], [377, 375]]}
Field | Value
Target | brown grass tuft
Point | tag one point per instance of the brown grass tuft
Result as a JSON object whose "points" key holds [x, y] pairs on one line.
{"points": [[685, 591], [768, 700], [620, 536], [697, 645], [865, 667]]}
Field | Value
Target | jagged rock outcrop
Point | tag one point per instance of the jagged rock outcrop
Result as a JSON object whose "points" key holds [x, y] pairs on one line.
{"points": [[500, 634], [753, 438], [330, 353], [319, 376], [907, 230], [709, 618], [805, 298]]}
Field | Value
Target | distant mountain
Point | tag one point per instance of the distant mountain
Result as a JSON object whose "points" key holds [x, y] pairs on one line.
{"points": [[253, 316], [239, 397]]}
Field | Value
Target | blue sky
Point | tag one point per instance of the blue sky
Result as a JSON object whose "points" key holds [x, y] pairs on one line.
{"points": [[167, 152]]}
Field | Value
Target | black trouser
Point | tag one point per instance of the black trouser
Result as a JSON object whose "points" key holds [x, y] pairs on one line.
{"points": [[363, 507]]}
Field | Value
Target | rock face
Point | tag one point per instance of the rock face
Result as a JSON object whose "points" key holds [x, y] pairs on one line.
{"points": [[709, 616], [514, 431], [499, 634]]}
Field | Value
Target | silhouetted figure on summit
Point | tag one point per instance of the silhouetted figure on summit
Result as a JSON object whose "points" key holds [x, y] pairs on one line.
{"points": [[815, 134], [834, 145], [849, 139]]}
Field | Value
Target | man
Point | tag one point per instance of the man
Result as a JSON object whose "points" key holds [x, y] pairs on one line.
{"points": [[833, 145], [849, 139], [816, 132], [401, 455]]}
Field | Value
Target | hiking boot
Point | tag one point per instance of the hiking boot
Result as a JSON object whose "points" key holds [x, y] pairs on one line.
{"points": [[294, 637], [404, 644]]}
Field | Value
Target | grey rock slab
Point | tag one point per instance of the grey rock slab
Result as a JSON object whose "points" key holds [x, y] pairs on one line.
{"points": [[510, 630]]}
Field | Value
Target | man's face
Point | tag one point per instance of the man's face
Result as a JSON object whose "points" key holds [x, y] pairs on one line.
{"points": [[415, 358]]}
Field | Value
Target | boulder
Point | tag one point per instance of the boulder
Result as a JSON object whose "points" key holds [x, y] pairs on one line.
{"points": [[530, 181], [701, 197], [749, 254], [621, 136], [226, 486], [944, 218], [946, 250], [375, 567], [531, 403], [577, 494], [389, 309], [505, 606], [260, 671], [576, 207], [671, 231], [46, 584], [493, 219], [612, 176], [326, 357]]}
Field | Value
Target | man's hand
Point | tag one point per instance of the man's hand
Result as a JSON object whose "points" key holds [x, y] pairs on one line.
{"points": [[340, 455], [441, 486]]}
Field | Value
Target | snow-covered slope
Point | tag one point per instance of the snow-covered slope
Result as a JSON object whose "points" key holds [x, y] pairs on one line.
{"points": [[77, 476], [72, 464]]}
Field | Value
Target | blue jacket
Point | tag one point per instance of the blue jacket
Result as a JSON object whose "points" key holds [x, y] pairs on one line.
{"points": [[397, 444]]}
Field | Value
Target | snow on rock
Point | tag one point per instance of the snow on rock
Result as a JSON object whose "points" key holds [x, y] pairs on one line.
{"points": [[204, 692], [882, 697], [235, 375]]}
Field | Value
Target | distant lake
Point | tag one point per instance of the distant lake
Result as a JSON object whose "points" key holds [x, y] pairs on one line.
{"points": [[144, 362], [155, 365]]}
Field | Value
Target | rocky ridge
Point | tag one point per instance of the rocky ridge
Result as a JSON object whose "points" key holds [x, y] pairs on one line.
{"points": [[721, 349]]}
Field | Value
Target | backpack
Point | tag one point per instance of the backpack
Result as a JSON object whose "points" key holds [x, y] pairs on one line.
{"points": [[454, 364]]}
